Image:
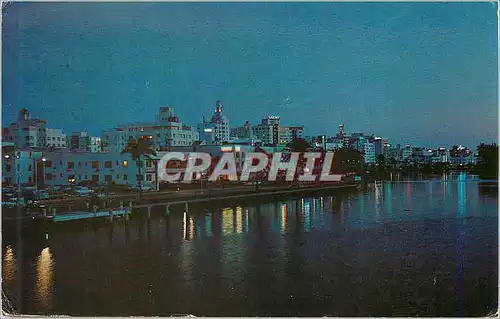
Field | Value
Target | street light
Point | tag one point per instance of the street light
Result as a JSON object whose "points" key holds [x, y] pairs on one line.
{"points": [[7, 156]]}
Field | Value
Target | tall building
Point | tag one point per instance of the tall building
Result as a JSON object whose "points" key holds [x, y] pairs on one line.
{"points": [[27, 132], [406, 152], [265, 133], [381, 146], [218, 123], [55, 138], [244, 131], [296, 132], [81, 141], [166, 131], [334, 143], [268, 130], [369, 152]]}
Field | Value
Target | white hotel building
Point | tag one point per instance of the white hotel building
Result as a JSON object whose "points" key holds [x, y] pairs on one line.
{"points": [[27, 132], [61, 167], [166, 131]]}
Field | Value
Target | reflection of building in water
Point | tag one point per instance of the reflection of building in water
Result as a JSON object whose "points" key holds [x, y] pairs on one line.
{"points": [[8, 265], [247, 224], [191, 228], [408, 190], [431, 199], [462, 184], [239, 220], [44, 277], [227, 221], [307, 216], [283, 218], [388, 198], [208, 225], [362, 205], [187, 227], [198, 225], [184, 226]]}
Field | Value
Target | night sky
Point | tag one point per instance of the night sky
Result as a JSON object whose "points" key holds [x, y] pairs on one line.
{"points": [[423, 73]]}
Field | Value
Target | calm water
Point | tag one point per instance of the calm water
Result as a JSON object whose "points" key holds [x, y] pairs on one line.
{"points": [[396, 249]]}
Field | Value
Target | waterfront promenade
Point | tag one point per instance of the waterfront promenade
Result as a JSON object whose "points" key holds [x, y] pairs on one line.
{"points": [[148, 200]]}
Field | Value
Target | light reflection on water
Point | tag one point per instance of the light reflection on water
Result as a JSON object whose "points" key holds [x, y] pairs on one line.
{"points": [[44, 273], [214, 257]]}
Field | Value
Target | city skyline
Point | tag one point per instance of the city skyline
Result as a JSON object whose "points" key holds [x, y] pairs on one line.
{"points": [[319, 67]]}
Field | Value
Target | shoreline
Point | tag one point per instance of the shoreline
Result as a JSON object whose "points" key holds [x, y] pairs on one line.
{"points": [[191, 197]]}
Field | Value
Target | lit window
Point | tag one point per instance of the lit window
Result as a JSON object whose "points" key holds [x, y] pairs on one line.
{"points": [[125, 164]]}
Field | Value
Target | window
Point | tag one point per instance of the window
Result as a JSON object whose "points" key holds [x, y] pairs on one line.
{"points": [[95, 178], [79, 164], [125, 177], [58, 138], [108, 178], [29, 168], [107, 164], [139, 177], [149, 163], [149, 178], [117, 176], [71, 165], [85, 176], [125, 164], [30, 180], [95, 164]]}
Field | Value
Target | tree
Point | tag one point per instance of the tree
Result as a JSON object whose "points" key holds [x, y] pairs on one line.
{"points": [[348, 160], [138, 149], [487, 165], [299, 145]]}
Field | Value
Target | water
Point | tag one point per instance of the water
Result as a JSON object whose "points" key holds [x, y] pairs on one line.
{"points": [[397, 249]]}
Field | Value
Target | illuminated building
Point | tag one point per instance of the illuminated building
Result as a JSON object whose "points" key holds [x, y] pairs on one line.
{"points": [[218, 126], [166, 131]]}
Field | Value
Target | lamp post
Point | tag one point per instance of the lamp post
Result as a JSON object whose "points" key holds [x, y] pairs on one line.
{"points": [[36, 171]]}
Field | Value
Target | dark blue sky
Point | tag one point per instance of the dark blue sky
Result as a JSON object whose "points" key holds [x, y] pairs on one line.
{"points": [[424, 73]]}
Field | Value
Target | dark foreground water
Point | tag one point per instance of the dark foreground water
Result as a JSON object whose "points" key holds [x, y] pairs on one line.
{"points": [[397, 249]]}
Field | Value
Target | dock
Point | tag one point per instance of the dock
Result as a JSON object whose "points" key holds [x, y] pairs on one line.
{"points": [[79, 215], [53, 215]]}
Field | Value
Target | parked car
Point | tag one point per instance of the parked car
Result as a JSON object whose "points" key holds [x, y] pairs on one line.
{"points": [[82, 191], [145, 188], [42, 195]]}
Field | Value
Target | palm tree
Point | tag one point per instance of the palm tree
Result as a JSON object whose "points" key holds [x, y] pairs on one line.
{"points": [[139, 148]]}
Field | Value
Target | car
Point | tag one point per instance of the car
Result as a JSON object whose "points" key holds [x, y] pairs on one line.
{"points": [[82, 191], [42, 195], [145, 188]]}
